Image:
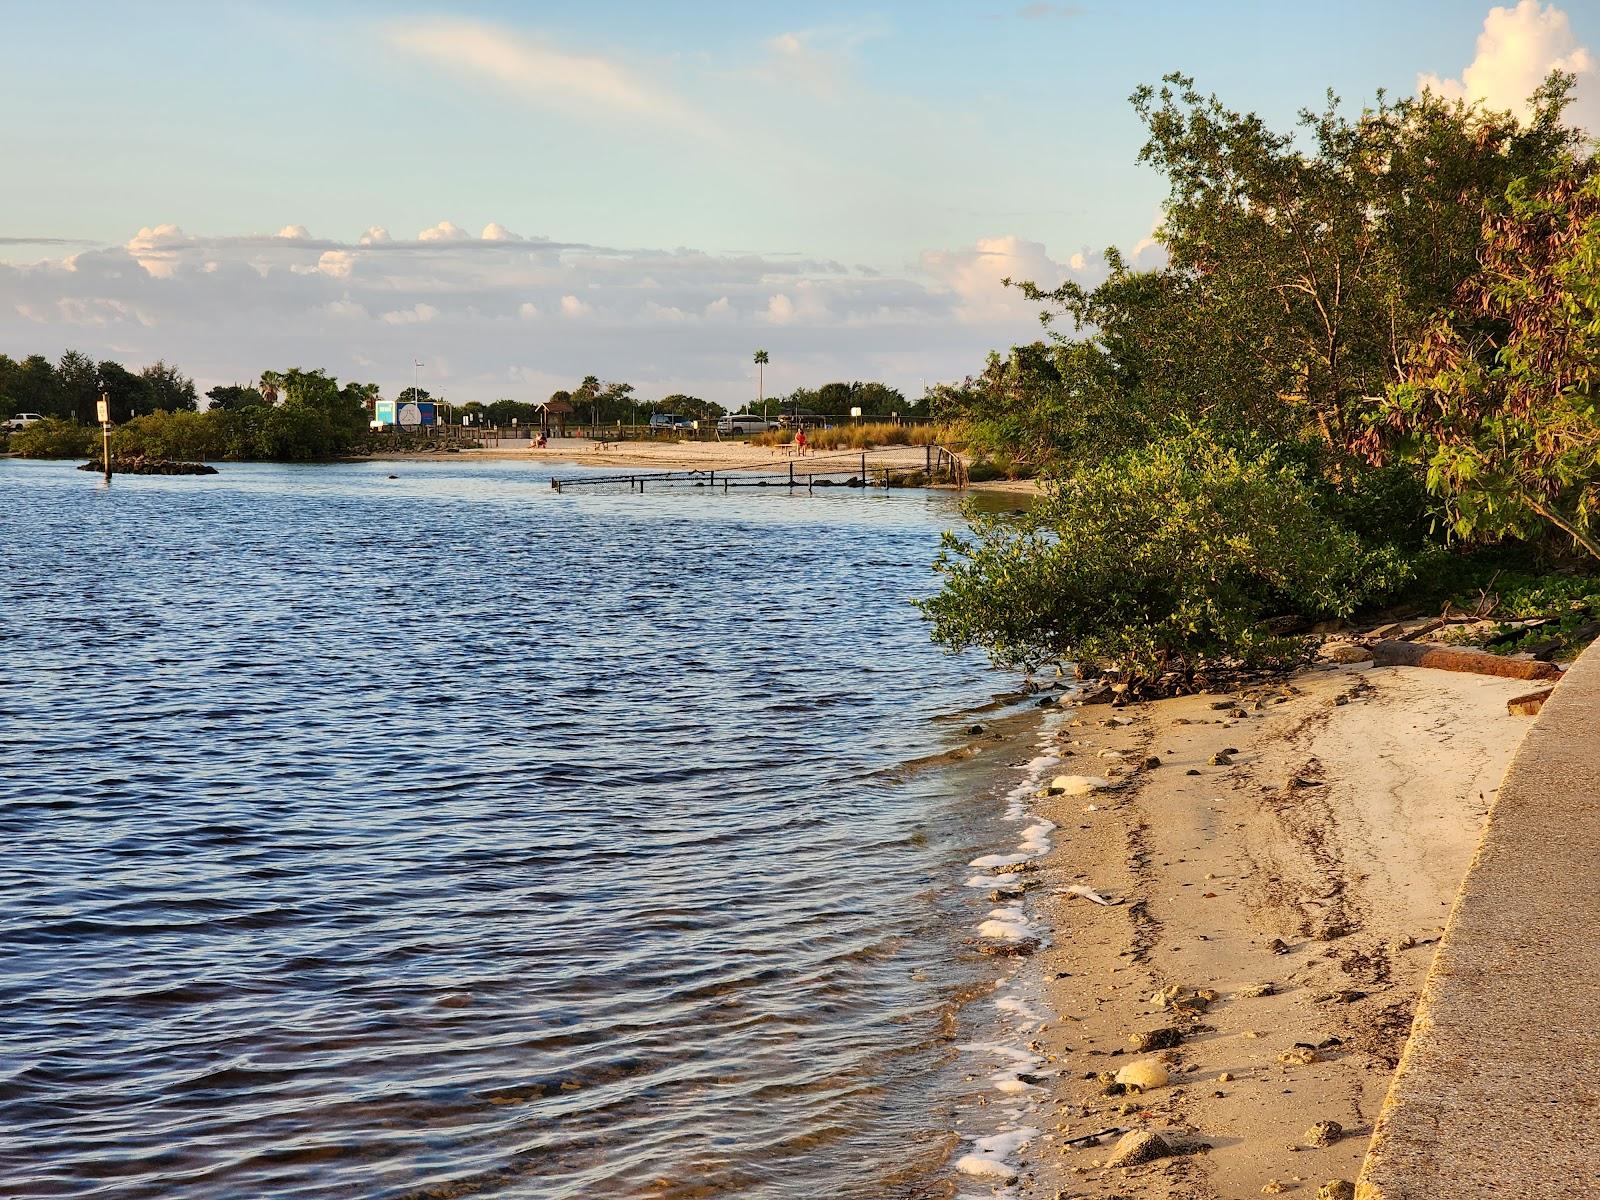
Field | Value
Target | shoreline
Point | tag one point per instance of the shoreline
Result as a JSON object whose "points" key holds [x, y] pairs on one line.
{"points": [[1275, 909]]}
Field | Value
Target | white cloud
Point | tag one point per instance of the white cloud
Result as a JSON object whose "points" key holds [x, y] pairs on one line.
{"points": [[417, 314], [682, 320], [583, 84], [444, 231], [346, 309], [337, 263], [298, 233], [1516, 50], [496, 232], [375, 235], [976, 275]]}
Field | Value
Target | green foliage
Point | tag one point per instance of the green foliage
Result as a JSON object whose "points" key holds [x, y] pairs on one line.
{"points": [[1162, 557], [54, 438], [1501, 402], [228, 396], [185, 436]]}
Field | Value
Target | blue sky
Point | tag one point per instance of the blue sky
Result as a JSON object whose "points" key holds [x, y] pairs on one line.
{"points": [[844, 184]]}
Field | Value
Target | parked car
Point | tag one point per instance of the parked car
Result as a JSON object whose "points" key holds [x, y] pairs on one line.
{"points": [[664, 421], [745, 423], [22, 420]]}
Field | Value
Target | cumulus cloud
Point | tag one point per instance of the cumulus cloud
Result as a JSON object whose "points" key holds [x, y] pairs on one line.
{"points": [[337, 263], [444, 231], [496, 232], [296, 233], [226, 307], [1517, 48], [536, 71], [375, 235], [417, 314]]}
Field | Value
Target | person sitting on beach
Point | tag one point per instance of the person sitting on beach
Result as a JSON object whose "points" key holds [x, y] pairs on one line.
{"points": [[544, 442], [800, 444]]}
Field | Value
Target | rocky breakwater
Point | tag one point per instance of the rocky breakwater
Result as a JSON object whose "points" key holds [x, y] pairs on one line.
{"points": [[139, 464]]}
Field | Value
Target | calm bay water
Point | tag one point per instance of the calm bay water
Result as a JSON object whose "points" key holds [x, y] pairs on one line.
{"points": [[444, 836]]}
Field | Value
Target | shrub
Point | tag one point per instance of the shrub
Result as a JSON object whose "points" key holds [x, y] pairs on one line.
{"points": [[180, 435], [53, 438], [1158, 560]]}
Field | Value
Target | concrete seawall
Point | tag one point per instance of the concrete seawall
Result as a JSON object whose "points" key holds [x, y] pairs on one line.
{"points": [[1498, 1092]]}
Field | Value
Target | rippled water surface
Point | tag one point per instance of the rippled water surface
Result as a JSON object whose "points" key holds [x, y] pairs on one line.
{"points": [[443, 836]]}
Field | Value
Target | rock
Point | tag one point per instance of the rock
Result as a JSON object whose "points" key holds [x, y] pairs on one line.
{"points": [[1253, 991], [1324, 1133], [1191, 771], [1337, 1189], [1225, 1077], [1143, 1076], [1528, 704], [1273, 1188], [1151, 763], [974, 730], [1300, 1056], [455, 1000], [1076, 785], [1147, 1040], [1344, 652], [1220, 759], [1137, 1147], [1103, 694], [1278, 946]]}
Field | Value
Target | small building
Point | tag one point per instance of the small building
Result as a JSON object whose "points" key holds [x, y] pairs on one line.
{"points": [[553, 417]]}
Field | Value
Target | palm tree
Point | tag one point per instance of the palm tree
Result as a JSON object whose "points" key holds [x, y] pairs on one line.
{"points": [[761, 390]]}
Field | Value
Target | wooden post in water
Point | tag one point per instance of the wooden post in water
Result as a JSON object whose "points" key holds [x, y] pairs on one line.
{"points": [[791, 472], [104, 405]]}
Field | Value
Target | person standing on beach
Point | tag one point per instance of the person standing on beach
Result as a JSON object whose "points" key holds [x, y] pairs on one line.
{"points": [[800, 443]]}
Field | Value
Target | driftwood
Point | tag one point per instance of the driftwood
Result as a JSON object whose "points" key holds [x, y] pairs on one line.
{"points": [[1529, 703], [1451, 658]]}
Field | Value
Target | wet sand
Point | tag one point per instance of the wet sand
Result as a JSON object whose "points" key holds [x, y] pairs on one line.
{"points": [[1292, 896]]}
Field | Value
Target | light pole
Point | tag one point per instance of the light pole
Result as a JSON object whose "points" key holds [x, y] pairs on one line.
{"points": [[416, 392]]}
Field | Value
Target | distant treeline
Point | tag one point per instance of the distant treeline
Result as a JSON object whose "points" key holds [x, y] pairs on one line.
{"points": [[317, 416]]}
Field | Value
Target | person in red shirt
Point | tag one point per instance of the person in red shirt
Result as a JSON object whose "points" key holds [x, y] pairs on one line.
{"points": [[800, 443]]}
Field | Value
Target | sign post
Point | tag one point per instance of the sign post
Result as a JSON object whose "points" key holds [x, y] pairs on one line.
{"points": [[103, 411]]}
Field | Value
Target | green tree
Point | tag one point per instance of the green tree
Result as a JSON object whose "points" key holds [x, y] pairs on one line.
{"points": [[125, 390], [232, 396], [167, 389], [78, 386], [761, 360], [1501, 399]]}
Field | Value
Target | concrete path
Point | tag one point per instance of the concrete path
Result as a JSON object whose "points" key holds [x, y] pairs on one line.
{"points": [[1498, 1093]]}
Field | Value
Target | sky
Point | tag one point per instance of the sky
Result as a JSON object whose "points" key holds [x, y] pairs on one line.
{"points": [[520, 194]]}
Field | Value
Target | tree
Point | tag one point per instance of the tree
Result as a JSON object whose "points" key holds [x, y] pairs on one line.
{"points": [[126, 391], [167, 389], [78, 386], [761, 378], [1302, 264], [1501, 398], [413, 395], [229, 396]]}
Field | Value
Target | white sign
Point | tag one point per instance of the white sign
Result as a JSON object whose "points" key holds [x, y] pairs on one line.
{"points": [[855, 412], [102, 410], [410, 414]]}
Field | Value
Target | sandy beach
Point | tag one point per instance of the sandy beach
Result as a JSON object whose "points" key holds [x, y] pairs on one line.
{"points": [[1279, 879]]}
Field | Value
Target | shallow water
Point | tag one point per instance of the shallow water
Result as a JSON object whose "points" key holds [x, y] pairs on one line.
{"points": [[445, 836]]}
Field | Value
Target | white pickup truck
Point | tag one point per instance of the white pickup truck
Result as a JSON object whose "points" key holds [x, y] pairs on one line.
{"points": [[21, 420]]}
